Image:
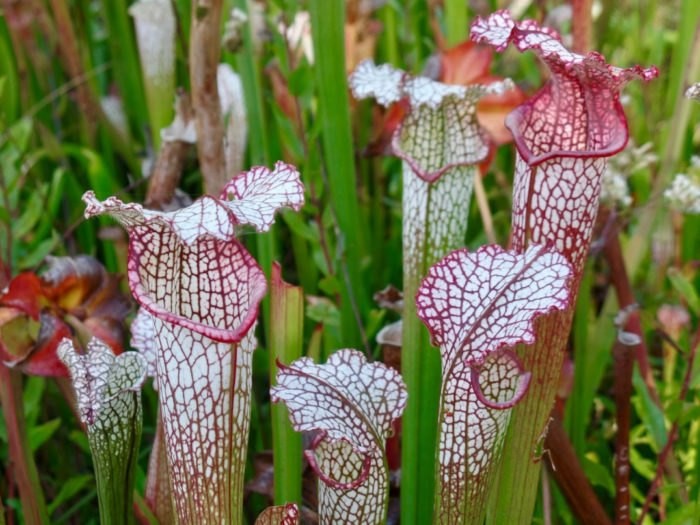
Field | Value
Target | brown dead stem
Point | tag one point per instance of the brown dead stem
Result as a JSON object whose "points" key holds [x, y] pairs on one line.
{"points": [[205, 51]]}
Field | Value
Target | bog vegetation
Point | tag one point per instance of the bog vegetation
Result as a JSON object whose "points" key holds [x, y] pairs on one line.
{"points": [[349, 262]]}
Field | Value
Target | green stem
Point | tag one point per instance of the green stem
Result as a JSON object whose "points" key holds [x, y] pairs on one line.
{"points": [[327, 21], [389, 35], [114, 450], [287, 317], [515, 489], [24, 469], [434, 223]]}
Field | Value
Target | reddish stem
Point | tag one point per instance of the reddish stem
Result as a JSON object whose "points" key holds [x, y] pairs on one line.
{"points": [[21, 460], [567, 471], [625, 297], [582, 26], [624, 364]]}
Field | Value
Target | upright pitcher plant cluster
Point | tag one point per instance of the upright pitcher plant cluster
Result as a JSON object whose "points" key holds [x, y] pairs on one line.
{"points": [[563, 136], [500, 317], [440, 143], [202, 288]]}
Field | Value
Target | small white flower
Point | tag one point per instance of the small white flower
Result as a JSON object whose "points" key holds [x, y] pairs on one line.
{"points": [[614, 191], [684, 194]]}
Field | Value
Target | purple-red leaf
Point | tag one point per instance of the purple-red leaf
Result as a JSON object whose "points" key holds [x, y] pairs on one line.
{"points": [[477, 306], [75, 295], [351, 405]]}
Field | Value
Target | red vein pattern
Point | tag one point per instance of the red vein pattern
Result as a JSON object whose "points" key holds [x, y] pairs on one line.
{"points": [[99, 379], [563, 136], [202, 287], [476, 306], [440, 142], [280, 515], [351, 405], [440, 132]]}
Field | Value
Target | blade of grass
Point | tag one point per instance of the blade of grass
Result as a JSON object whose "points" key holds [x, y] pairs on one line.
{"points": [[389, 38], [328, 26], [287, 318], [125, 65], [456, 21]]}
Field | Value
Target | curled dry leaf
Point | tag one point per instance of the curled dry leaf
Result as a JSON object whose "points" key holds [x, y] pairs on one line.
{"points": [[477, 307], [74, 296], [202, 288], [350, 404]]}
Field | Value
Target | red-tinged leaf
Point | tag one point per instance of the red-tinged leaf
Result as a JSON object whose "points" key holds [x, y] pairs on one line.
{"points": [[43, 360], [24, 293], [202, 289], [31, 345], [280, 515], [74, 295], [351, 404], [466, 63], [82, 284], [440, 131], [477, 306]]}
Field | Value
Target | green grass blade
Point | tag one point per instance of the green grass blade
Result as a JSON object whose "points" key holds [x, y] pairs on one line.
{"points": [[287, 318], [327, 20], [456, 21]]}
